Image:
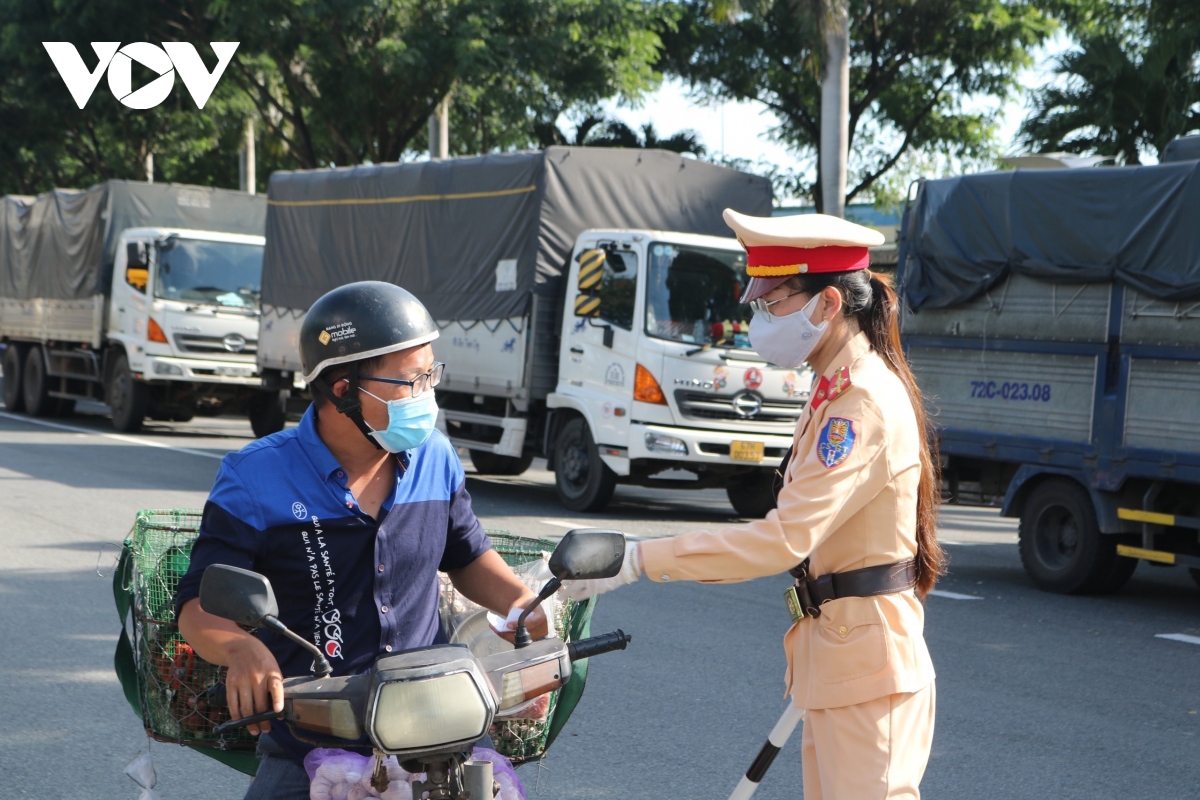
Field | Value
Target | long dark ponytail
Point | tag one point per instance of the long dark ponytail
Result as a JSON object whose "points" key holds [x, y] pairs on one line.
{"points": [[874, 306]]}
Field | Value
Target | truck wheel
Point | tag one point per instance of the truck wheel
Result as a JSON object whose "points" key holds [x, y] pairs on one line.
{"points": [[583, 481], [34, 389], [1060, 542], [268, 413], [127, 398], [14, 366], [491, 464], [752, 495]]}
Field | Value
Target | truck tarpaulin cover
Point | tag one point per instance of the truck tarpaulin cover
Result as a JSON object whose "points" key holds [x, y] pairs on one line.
{"points": [[61, 245], [450, 231], [1136, 225]]}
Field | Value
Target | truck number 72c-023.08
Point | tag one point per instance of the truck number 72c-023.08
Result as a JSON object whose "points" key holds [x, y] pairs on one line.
{"points": [[1011, 390]]}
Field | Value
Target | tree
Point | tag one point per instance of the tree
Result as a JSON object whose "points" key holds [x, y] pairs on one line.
{"points": [[912, 65], [1132, 85], [343, 83]]}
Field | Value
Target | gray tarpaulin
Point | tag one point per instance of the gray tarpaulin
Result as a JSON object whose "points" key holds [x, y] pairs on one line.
{"points": [[1137, 225], [442, 229], [1185, 148], [61, 244]]}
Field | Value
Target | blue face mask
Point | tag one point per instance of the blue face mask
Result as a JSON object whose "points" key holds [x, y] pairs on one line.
{"points": [[410, 422]]}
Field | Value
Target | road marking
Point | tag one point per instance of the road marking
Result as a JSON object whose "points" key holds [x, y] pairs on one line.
{"points": [[964, 544], [1178, 637], [953, 595], [116, 436], [558, 523]]}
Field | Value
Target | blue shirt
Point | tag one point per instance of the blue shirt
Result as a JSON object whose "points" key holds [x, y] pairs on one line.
{"points": [[357, 587]]}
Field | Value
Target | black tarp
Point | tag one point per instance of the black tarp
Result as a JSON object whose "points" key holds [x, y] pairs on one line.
{"points": [[1136, 225], [61, 244], [442, 228]]}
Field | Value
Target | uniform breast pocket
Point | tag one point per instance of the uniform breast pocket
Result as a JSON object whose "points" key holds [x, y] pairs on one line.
{"points": [[851, 640]]}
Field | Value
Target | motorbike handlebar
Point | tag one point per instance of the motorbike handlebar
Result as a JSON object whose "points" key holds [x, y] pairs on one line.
{"points": [[596, 645]]}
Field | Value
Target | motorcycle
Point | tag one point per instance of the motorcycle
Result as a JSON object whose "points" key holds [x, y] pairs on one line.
{"points": [[428, 706]]}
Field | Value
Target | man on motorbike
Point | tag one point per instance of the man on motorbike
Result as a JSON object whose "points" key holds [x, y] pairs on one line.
{"points": [[350, 515]]}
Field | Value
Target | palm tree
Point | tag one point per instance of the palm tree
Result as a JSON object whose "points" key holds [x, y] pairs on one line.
{"points": [[1120, 98], [617, 134]]}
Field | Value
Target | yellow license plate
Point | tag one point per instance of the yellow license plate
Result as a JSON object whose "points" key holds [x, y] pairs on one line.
{"points": [[746, 451]]}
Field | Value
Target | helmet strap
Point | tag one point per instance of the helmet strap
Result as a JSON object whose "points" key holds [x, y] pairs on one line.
{"points": [[349, 405]]}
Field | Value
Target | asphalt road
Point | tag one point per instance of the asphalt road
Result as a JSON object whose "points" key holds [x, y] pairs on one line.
{"points": [[1039, 696]]}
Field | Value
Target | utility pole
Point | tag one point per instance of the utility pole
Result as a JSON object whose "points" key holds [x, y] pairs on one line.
{"points": [[246, 165], [439, 130], [835, 107]]}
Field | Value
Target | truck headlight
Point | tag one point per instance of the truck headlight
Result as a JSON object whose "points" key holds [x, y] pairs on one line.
{"points": [[421, 707], [660, 443], [167, 368]]}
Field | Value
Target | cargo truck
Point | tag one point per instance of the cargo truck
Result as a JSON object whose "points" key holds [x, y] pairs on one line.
{"points": [[140, 296], [1053, 322], [588, 307]]}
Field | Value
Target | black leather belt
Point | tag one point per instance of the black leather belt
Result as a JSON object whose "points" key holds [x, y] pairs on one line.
{"points": [[805, 598]]}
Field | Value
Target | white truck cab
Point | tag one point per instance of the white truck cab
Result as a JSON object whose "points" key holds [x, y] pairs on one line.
{"points": [[656, 360]]}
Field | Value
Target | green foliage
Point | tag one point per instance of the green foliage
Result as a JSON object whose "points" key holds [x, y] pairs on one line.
{"points": [[327, 82], [913, 64], [1132, 85]]}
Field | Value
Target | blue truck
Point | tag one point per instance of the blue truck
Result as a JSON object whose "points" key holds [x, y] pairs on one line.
{"points": [[1052, 318]]}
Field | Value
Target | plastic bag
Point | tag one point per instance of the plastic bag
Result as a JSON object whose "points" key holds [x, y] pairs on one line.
{"points": [[342, 775], [457, 611], [141, 770]]}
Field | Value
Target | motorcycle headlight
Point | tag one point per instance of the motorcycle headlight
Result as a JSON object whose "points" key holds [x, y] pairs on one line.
{"points": [[429, 707]]}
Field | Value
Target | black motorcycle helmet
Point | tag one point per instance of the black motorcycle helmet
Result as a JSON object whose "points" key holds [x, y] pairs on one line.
{"points": [[355, 322]]}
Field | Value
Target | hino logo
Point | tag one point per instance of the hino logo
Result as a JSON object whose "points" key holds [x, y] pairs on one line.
{"points": [[746, 404], [234, 342], [118, 61]]}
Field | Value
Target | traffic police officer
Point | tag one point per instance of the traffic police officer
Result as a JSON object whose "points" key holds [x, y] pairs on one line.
{"points": [[855, 522], [351, 515]]}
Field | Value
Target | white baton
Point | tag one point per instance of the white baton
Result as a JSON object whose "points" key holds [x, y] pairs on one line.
{"points": [[762, 762]]}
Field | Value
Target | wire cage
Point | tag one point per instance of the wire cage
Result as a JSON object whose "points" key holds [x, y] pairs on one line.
{"points": [[523, 740], [173, 680]]}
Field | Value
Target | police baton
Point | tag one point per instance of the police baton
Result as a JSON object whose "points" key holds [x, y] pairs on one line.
{"points": [[762, 762]]}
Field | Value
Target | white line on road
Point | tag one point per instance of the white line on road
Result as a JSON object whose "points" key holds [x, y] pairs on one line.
{"points": [[1178, 637], [953, 595], [558, 523], [118, 437]]}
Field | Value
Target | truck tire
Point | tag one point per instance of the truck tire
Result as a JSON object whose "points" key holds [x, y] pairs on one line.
{"points": [[491, 464], [583, 481], [1061, 546], [35, 389], [14, 367], [127, 398], [268, 413], [752, 495]]}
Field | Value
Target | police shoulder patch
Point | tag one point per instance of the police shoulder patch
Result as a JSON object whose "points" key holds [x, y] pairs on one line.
{"points": [[836, 442]]}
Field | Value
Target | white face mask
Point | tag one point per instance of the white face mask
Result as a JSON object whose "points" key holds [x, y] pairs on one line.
{"points": [[786, 341]]}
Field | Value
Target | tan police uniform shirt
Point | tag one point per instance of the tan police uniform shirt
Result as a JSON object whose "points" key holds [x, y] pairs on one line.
{"points": [[844, 508]]}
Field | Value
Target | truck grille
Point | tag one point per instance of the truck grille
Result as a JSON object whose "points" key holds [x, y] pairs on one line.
{"points": [[213, 345], [704, 405]]}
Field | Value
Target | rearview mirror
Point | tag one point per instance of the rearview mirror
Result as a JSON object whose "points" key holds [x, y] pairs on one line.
{"points": [[239, 595], [588, 554], [135, 255]]}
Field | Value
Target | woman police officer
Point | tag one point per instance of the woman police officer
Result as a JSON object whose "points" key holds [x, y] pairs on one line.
{"points": [[855, 522]]}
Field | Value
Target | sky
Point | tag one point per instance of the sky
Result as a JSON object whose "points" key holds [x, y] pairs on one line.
{"points": [[742, 130]]}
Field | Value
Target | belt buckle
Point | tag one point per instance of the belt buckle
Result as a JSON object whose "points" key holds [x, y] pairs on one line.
{"points": [[795, 607]]}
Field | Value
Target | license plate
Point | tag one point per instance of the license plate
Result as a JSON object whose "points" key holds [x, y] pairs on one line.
{"points": [[746, 451]]}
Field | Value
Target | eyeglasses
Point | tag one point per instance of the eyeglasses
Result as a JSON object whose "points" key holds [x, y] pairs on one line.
{"points": [[762, 305], [424, 381]]}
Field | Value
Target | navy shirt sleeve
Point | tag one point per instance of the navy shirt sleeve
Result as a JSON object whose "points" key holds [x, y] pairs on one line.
{"points": [[465, 539], [228, 533]]}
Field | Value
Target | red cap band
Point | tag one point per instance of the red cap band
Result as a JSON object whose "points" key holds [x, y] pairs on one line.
{"points": [[773, 260]]}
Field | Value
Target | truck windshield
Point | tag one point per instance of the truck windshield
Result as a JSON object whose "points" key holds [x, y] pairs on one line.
{"points": [[225, 274], [692, 295]]}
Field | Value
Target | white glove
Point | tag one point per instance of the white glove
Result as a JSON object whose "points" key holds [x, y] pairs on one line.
{"points": [[631, 570]]}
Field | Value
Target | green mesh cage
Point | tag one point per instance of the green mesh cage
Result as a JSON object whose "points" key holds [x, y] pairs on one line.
{"points": [[517, 739], [173, 680]]}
